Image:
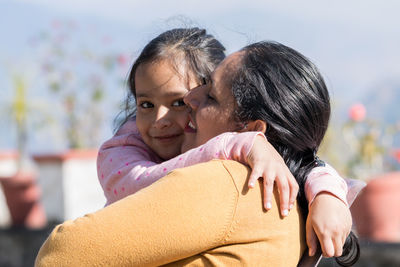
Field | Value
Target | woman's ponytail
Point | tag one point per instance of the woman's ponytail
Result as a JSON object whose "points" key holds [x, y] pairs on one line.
{"points": [[278, 85]]}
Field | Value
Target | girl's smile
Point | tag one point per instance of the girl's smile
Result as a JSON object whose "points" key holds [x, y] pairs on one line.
{"points": [[190, 127], [161, 115]]}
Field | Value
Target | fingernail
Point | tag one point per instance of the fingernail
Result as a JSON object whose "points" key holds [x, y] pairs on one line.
{"points": [[291, 206], [268, 206], [310, 252], [285, 212]]}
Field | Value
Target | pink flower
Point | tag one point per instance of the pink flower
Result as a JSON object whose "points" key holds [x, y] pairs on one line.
{"points": [[106, 39], [122, 60], [56, 24], [396, 154], [357, 112]]}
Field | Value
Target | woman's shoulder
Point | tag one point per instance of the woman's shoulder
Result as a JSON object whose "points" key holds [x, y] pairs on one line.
{"points": [[244, 218], [218, 168]]}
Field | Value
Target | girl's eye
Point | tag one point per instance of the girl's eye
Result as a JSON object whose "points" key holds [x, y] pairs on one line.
{"points": [[146, 104], [178, 103]]}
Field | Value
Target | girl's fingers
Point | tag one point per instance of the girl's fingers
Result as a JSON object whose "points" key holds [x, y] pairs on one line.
{"points": [[338, 245], [287, 185], [344, 239], [283, 186], [327, 247], [255, 174], [294, 189], [252, 180], [311, 239], [268, 190]]}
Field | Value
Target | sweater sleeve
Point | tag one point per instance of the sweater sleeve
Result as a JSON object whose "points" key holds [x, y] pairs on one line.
{"points": [[325, 179], [126, 164]]}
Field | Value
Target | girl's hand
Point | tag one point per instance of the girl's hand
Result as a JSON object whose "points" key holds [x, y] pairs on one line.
{"points": [[267, 163], [329, 221]]}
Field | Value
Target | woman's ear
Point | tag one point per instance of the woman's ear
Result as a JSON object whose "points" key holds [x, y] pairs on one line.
{"points": [[257, 126]]}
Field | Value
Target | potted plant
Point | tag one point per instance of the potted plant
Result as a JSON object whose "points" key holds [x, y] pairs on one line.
{"points": [[20, 189], [76, 73], [376, 211]]}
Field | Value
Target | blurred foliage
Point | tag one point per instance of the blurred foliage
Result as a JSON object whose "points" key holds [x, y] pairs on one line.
{"points": [[24, 113], [19, 112], [76, 74], [367, 148], [19, 105]]}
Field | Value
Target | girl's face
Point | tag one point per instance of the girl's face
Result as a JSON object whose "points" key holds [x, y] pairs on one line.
{"points": [[161, 113], [212, 106]]}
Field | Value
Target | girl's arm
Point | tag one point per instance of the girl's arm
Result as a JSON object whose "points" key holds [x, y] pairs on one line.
{"points": [[320, 180], [329, 223], [329, 220], [126, 164], [325, 179]]}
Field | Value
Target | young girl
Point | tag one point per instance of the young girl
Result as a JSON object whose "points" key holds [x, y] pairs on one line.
{"points": [[147, 147]]}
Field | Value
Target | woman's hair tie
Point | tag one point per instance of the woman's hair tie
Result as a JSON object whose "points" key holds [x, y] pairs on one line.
{"points": [[318, 162]]}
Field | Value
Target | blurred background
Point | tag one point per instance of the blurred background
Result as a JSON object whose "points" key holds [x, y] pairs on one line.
{"points": [[63, 66]]}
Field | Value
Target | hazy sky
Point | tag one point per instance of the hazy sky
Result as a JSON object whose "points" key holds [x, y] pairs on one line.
{"points": [[354, 43], [357, 39]]}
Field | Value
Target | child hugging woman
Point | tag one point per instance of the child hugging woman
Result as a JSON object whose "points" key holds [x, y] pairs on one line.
{"points": [[148, 143]]}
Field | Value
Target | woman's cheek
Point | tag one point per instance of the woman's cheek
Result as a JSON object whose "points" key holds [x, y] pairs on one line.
{"points": [[183, 120]]}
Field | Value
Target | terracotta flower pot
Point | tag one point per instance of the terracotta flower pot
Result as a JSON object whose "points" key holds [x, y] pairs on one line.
{"points": [[376, 211], [22, 195]]}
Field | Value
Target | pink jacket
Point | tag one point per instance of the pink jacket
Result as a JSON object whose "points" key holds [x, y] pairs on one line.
{"points": [[125, 164]]}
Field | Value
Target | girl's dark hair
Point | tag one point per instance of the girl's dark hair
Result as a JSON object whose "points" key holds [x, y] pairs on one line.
{"points": [[193, 48], [280, 86]]}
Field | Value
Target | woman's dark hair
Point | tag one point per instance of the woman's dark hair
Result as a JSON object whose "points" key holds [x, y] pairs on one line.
{"points": [[193, 48], [278, 85]]}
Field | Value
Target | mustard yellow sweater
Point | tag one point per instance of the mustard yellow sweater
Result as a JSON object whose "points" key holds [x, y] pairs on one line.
{"points": [[202, 215]]}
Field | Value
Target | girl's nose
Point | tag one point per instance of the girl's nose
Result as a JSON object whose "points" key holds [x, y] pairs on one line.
{"points": [[162, 120]]}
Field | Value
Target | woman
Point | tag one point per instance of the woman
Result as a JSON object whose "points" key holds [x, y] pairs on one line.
{"points": [[208, 217]]}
